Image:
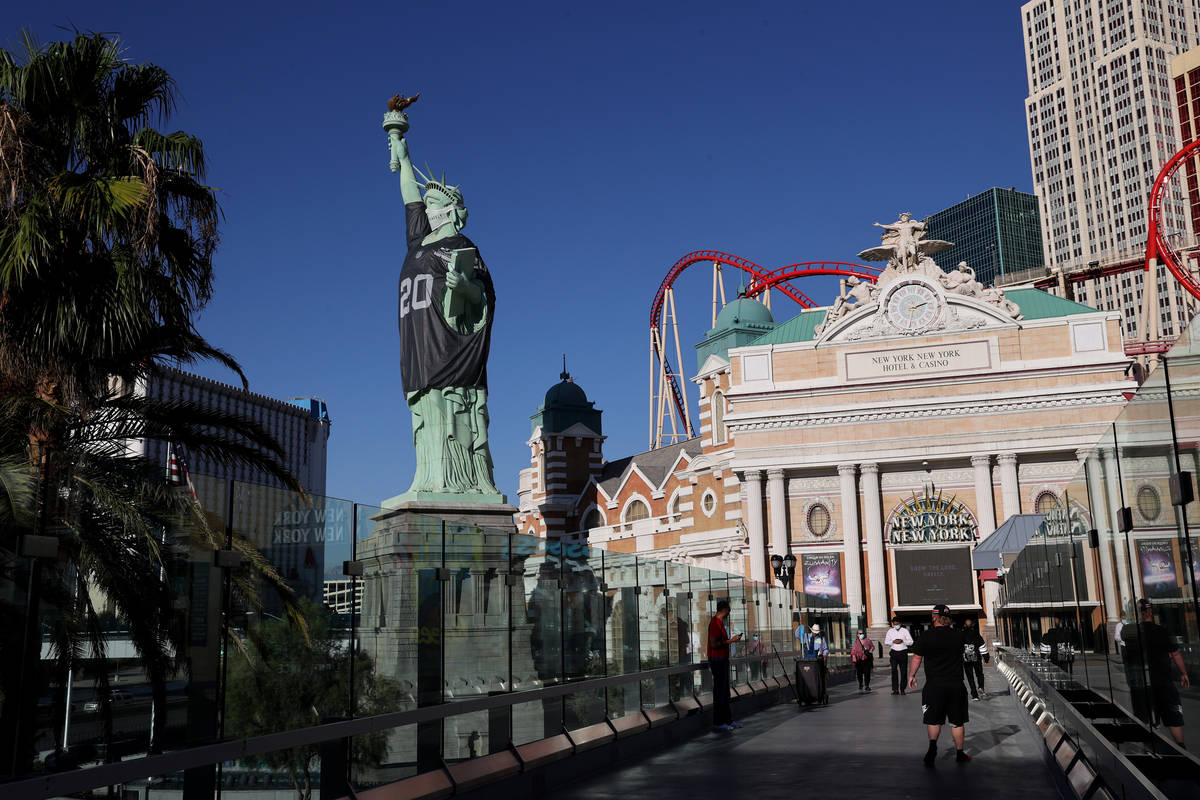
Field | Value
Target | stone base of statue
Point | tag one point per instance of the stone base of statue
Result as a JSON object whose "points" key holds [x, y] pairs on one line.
{"points": [[422, 502], [483, 511], [435, 614]]}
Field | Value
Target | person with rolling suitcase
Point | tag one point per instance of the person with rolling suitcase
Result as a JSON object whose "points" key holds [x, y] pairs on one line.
{"points": [[810, 682]]}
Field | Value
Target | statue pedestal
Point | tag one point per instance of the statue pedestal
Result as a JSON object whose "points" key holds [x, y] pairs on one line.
{"points": [[433, 503], [435, 613]]}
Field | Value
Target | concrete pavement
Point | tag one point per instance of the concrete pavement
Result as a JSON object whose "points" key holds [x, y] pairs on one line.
{"points": [[867, 745]]}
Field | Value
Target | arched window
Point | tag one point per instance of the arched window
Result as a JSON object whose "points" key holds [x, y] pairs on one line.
{"points": [[636, 510], [1046, 502], [675, 502], [593, 519], [717, 408]]}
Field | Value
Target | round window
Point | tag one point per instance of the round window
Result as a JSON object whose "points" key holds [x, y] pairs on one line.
{"points": [[819, 520], [1149, 504], [709, 503]]}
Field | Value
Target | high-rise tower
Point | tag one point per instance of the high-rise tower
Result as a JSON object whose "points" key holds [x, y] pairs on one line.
{"points": [[1101, 122]]}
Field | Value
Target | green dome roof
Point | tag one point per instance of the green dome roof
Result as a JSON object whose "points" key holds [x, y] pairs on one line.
{"points": [[743, 311], [565, 394], [565, 405]]}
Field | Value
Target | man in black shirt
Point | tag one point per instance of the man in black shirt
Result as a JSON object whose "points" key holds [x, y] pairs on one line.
{"points": [[975, 653], [1149, 647], [944, 697]]}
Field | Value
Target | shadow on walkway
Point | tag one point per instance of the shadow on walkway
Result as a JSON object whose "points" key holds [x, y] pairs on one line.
{"points": [[866, 745]]}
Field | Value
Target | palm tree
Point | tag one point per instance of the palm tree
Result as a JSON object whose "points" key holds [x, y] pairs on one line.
{"points": [[107, 234]]}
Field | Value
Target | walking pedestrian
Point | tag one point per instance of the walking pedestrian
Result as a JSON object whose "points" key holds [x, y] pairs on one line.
{"points": [[944, 697], [896, 642], [758, 669], [1117, 635], [800, 632], [1150, 648], [718, 664], [1058, 642], [975, 654], [862, 654]]}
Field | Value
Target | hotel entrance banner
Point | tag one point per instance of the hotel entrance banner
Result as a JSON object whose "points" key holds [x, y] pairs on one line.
{"points": [[929, 575], [822, 574], [1156, 558]]}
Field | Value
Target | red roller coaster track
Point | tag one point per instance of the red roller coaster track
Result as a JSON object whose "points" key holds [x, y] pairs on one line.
{"points": [[1157, 247], [762, 280]]}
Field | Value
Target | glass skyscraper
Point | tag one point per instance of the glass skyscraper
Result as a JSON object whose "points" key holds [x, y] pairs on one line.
{"points": [[997, 232]]}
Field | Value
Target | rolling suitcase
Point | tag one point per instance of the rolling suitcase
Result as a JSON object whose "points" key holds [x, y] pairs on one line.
{"points": [[810, 682]]}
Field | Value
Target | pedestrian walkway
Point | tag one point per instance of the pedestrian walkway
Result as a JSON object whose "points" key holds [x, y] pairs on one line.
{"points": [[860, 745]]}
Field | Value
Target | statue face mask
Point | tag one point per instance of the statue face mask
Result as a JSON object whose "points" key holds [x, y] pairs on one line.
{"points": [[441, 215]]}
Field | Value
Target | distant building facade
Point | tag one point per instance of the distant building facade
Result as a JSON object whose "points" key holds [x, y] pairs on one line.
{"points": [[878, 445], [302, 427], [294, 534], [1101, 120], [997, 232], [1185, 75]]}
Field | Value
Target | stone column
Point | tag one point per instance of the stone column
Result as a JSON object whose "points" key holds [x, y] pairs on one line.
{"points": [[876, 563], [752, 478], [1113, 491], [777, 511], [1010, 490], [1100, 518], [985, 504], [851, 543], [991, 599]]}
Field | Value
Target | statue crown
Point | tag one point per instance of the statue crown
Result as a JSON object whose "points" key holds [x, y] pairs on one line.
{"points": [[451, 193]]}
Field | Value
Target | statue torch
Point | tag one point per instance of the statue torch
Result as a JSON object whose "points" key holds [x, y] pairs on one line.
{"points": [[395, 122]]}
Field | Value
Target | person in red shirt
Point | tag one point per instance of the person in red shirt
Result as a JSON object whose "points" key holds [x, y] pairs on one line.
{"points": [[718, 663]]}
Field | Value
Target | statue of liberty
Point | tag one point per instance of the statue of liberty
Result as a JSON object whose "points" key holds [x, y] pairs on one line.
{"points": [[446, 306]]}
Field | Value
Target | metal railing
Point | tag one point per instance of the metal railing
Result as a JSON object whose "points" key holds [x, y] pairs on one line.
{"points": [[147, 767]]}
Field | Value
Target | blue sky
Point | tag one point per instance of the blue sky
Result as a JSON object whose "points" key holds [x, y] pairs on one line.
{"points": [[595, 143]]}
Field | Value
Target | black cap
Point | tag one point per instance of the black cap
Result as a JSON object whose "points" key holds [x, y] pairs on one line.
{"points": [[1143, 603], [941, 609]]}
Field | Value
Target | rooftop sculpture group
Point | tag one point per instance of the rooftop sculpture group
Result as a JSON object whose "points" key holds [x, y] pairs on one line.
{"points": [[908, 253]]}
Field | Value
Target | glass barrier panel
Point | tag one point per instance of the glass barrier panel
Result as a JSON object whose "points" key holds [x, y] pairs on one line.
{"points": [[284, 639], [296, 771], [583, 626], [476, 645], [655, 628], [679, 611], [1181, 375], [537, 644], [400, 627], [622, 632], [1161, 636], [702, 608]]}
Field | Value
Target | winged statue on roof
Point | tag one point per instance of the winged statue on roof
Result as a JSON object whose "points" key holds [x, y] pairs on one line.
{"points": [[903, 244]]}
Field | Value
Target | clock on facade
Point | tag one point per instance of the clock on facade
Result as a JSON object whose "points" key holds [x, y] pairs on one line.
{"points": [[912, 307]]}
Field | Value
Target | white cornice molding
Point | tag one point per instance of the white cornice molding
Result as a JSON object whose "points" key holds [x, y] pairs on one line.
{"points": [[834, 385], [777, 420]]}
